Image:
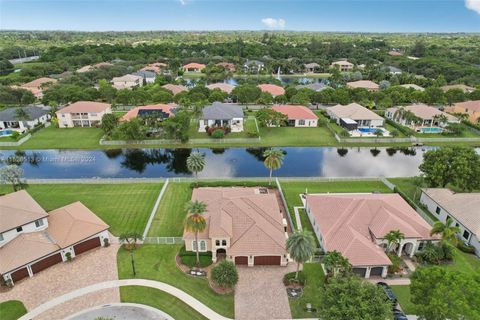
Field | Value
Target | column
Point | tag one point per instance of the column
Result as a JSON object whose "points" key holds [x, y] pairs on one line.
{"points": [[30, 272], [384, 272], [367, 273]]}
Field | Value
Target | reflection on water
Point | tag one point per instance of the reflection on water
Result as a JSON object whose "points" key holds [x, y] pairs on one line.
{"points": [[220, 162]]}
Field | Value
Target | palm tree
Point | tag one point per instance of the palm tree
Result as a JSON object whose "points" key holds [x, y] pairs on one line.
{"points": [[273, 160], [301, 247], [130, 240], [336, 264], [394, 237], [195, 222], [196, 163], [448, 231]]}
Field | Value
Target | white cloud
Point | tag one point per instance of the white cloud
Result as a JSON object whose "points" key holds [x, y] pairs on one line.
{"points": [[473, 5], [272, 23], [183, 2]]}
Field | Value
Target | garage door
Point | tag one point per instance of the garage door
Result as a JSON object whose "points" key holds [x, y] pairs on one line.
{"points": [[47, 262], [19, 274], [360, 272], [376, 271], [241, 260], [86, 245], [267, 261]]}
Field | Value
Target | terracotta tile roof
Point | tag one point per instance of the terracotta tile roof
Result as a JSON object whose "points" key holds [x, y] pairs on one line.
{"points": [[354, 111], [462, 87], [471, 106], [194, 65], [253, 221], [412, 86], [85, 106], [424, 112], [127, 78], [84, 69], [102, 64], [25, 248], [367, 84], [225, 87], [395, 53], [343, 63], [73, 223], [273, 89], [350, 223], [133, 113], [462, 206], [18, 208], [37, 83], [175, 88], [295, 112]]}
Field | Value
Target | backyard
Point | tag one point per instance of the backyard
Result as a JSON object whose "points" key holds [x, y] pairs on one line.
{"points": [[248, 126], [157, 262], [125, 207]]}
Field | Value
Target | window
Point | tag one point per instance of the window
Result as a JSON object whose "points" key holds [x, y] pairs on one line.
{"points": [[301, 122], [437, 211], [39, 223], [224, 242], [217, 242], [420, 245], [203, 245], [1, 236], [19, 229], [466, 234], [194, 245]]}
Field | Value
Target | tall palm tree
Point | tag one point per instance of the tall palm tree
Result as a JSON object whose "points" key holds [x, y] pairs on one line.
{"points": [[196, 163], [336, 264], [448, 231], [394, 237], [273, 160], [195, 222], [130, 240], [301, 247]]}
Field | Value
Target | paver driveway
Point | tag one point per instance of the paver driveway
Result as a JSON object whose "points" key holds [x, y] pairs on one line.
{"points": [[260, 293], [97, 265]]}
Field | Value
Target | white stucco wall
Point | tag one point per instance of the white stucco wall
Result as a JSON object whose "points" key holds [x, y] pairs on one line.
{"points": [[26, 228]]}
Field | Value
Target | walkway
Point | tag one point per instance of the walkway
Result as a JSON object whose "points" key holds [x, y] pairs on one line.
{"points": [[188, 299], [122, 311], [297, 217], [155, 208]]}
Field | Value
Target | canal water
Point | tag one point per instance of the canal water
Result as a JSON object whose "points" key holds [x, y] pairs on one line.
{"points": [[220, 163]]}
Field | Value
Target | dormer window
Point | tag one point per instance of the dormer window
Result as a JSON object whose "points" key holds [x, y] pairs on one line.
{"points": [[19, 229], [39, 223]]}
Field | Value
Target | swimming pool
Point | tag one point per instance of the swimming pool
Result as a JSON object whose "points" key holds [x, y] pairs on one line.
{"points": [[430, 130], [6, 132], [369, 130]]}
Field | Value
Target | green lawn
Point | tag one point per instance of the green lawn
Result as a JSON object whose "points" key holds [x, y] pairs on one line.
{"points": [[313, 286], [157, 262], [125, 207], [403, 295], [168, 220], [300, 137], [12, 310], [160, 300]]}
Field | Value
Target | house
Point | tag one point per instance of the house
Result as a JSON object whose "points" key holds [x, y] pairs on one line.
{"points": [[35, 115], [222, 115], [174, 88], [462, 208], [37, 86], [102, 65], [127, 81], [162, 110], [273, 89], [395, 53], [155, 67], [365, 84], [464, 88], [342, 65], [225, 87], [32, 240], [412, 86], [394, 70], [356, 114], [193, 67], [356, 224], [84, 69], [470, 108], [427, 116], [253, 66], [147, 76], [298, 116], [317, 86], [311, 67], [88, 68], [82, 114], [244, 225], [227, 66]]}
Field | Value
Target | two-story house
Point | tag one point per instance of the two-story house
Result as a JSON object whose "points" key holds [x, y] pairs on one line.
{"points": [[32, 240], [82, 114]]}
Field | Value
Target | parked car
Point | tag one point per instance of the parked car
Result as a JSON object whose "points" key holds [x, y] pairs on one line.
{"points": [[388, 292]]}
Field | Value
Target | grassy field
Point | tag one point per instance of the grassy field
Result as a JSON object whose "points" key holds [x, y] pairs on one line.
{"points": [[157, 262], [125, 207], [403, 295], [314, 285], [12, 310], [160, 300], [300, 137]]}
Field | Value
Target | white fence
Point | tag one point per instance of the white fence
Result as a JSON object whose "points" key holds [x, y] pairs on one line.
{"points": [[163, 240], [16, 143], [95, 181]]}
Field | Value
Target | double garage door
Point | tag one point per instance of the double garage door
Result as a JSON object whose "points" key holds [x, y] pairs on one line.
{"points": [[86, 245], [37, 267], [259, 260]]}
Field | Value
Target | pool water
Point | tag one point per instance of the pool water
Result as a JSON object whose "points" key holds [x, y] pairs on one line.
{"points": [[368, 130], [6, 132], [431, 130]]}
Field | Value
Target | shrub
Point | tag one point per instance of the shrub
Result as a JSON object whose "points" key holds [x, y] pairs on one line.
{"points": [[396, 261], [344, 134], [68, 255], [189, 258], [218, 134], [225, 274], [289, 279], [466, 247], [15, 135]]}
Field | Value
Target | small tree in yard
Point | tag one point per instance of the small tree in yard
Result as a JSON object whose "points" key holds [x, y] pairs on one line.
{"points": [[225, 274], [129, 241], [336, 264], [13, 175], [109, 122], [195, 222], [301, 247], [196, 163], [448, 231], [273, 160]]}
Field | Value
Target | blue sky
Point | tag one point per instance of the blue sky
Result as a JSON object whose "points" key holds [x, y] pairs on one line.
{"points": [[310, 15]]}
